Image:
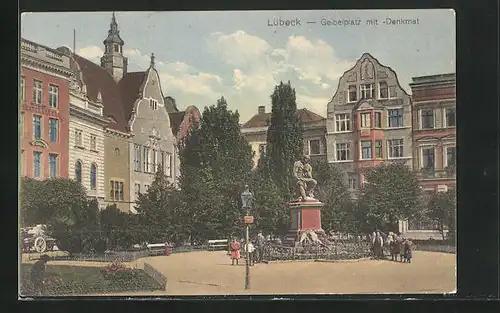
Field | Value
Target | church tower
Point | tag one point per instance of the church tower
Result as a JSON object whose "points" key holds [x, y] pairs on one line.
{"points": [[113, 60]]}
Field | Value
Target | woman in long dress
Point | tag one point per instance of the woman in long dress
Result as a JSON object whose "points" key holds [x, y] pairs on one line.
{"points": [[235, 251]]}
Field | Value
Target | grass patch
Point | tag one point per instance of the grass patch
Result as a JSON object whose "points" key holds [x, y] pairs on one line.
{"points": [[78, 280]]}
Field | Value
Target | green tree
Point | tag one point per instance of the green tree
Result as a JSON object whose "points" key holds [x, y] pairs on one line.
{"points": [[160, 210], [284, 137], [50, 201], [216, 162], [337, 213], [391, 193], [269, 208], [120, 229], [441, 208]]}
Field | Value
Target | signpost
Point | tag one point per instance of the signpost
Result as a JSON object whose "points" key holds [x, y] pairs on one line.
{"points": [[248, 219]]}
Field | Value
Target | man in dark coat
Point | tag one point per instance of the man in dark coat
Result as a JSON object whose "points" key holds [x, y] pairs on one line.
{"points": [[38, 275], [407, 248]]}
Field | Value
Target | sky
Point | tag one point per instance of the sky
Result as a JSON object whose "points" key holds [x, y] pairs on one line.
{"points": [[202, 56]]}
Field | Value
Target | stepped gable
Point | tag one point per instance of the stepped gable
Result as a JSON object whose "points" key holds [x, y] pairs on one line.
{"points": [[263, 119], [97, 79]]}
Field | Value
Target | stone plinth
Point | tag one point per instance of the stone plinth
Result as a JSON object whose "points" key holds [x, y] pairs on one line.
{"points": [[306, 216]]}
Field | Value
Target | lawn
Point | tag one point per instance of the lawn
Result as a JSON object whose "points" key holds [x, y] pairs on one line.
{"points": [[79, 280]]}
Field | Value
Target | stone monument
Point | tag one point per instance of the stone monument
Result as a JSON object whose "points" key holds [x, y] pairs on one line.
{"points": [[306, 209]]}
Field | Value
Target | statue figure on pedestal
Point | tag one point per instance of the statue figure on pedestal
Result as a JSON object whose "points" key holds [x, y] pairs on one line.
{"points": [[305, 183]]}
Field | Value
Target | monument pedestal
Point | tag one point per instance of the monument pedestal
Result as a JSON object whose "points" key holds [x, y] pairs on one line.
{"points": [[306, 215]]}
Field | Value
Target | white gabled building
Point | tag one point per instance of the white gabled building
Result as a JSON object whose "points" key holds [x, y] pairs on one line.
{"points": [[86, 136]]}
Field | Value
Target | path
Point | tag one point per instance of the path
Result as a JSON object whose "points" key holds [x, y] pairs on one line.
{"points": [[210, 273]]}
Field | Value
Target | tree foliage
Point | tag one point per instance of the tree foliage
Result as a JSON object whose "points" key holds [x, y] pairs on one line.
{"points": [[284, 137], [216, 162], [270, 209], [442, 208], [160, 210], [391, 193], [337, 214]]}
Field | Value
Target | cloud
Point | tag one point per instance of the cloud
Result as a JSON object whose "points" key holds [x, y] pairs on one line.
{"points": [[249, 68], [178, 79], [92, 53], [310, 65]]}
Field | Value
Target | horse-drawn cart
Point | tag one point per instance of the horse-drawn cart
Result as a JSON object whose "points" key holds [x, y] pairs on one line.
{"points": [[35, 238]]}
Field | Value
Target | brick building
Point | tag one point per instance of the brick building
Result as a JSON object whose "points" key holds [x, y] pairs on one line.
{"points": [[434, 151], [369, 120], [255, 131], [44, 97]]}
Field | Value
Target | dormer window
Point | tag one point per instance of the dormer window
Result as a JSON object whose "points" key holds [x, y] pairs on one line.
{"points": [[153, 104]]}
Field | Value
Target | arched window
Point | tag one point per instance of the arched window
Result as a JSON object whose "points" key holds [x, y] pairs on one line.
{"points": [[93, 176], [78, 171]]}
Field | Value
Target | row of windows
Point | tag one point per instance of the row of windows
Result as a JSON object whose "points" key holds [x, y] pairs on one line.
{"points": [[428, 157], [314, 147], [38, 93], [79, 140], [93, 174], [370, 150], [53, 163], [394, 120], [367, 91], [428, 118], [150, 160], [38, 127]]}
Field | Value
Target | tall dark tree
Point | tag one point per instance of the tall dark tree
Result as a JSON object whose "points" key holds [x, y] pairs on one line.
{"points": [[284, 137], [216, 162], [391, 193]]}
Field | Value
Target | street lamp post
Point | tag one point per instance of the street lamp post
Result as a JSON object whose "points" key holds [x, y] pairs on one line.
{"points": [[246, 200]]}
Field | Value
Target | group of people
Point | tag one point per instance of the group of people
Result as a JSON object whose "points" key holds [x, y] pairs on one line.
{"points": [[400, 248], [254, 249]]}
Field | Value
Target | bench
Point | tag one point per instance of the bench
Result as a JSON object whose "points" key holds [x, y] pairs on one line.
{"points": [[156, 249], [218, 244]]}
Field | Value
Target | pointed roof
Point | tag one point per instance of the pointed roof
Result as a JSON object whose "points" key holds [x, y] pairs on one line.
{"points": [[118, 98], [113, 33], [263, 119]]}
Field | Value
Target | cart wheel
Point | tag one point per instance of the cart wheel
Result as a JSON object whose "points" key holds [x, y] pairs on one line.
{"points": [[40, 245]]}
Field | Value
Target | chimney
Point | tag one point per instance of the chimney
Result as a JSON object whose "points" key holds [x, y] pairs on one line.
{"points": [[262, 109]]}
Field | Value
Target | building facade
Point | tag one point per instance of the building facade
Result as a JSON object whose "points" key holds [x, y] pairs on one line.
{"points": [[434, 134], [369, 120], [434, 142], [44, 95], [255, 131], [137, 138], [86, 135]]}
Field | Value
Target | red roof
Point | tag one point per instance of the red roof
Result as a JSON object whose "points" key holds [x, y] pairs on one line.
{"points": [[263, 119], [117, 98], [181, 122]]}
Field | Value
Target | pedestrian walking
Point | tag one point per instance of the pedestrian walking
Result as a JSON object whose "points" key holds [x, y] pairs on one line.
{"points": [[250, 249], [38, 275], [407, 248], [260, 246], [235, 251], [378, 246]]}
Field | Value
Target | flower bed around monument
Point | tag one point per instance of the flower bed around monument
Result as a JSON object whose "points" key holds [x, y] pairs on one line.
{"points": [[338, 250]]}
